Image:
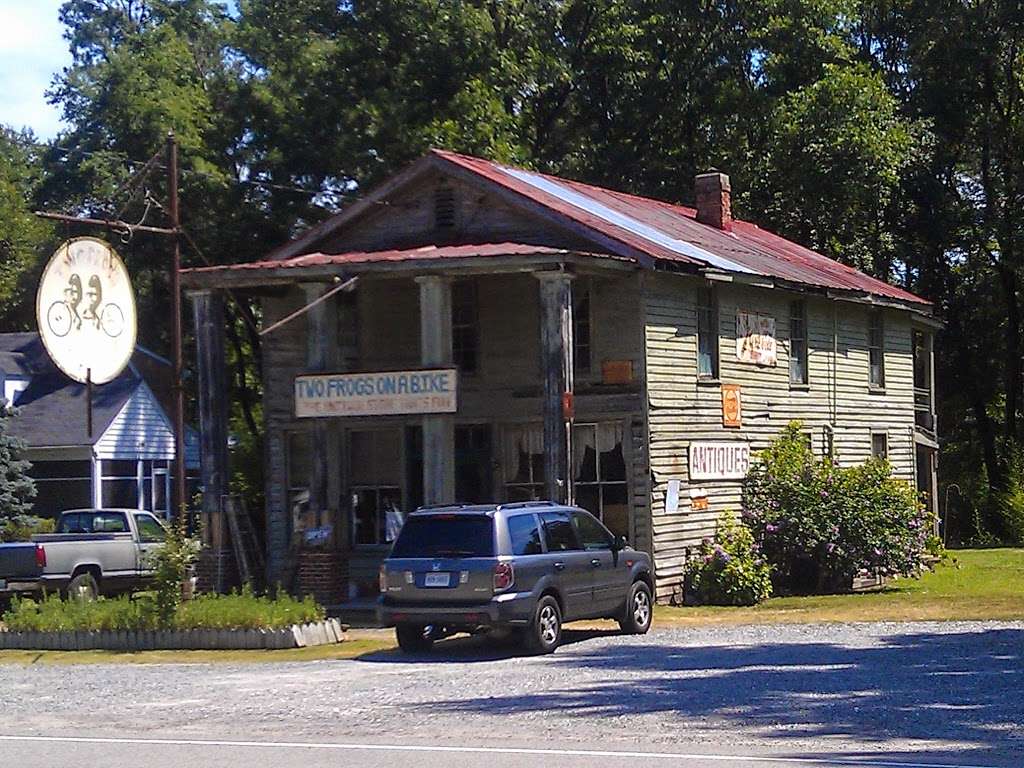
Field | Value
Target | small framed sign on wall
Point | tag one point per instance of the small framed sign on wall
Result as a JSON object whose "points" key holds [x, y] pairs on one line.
{"points": [[732, 406]]}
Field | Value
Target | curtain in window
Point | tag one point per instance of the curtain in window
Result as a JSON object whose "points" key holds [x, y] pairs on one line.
{"points": [[528, 440]]}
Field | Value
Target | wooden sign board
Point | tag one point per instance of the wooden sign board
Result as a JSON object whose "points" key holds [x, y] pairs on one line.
{"points": [[385, 393]]}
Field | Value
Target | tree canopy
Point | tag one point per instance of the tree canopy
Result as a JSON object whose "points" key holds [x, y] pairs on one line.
{"points": [[888, 135]]}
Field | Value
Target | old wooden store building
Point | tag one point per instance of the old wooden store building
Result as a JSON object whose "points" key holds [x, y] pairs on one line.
{"points": [[492, 334]]}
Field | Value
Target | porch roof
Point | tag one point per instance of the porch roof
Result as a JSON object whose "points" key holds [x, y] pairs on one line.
{"points": [[427, 254]]}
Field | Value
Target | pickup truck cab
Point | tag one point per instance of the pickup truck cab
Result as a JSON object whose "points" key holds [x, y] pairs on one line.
{"points": [[92, 552]]}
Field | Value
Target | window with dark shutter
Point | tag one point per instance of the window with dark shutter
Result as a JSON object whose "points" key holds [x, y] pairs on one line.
{"points": [[465, 326]]}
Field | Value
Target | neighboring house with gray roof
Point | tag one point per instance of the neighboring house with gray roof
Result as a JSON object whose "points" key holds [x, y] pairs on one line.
{"points": [[127, 460]]}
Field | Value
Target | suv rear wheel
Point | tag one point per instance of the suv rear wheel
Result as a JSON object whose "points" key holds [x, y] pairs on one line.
{"points": [[415, 638], [545, 632], [636, 618]]}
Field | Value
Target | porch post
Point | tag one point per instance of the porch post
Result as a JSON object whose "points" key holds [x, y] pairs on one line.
{"points": [[321, 356], [436, 351], [208, 315], [557, 373]]}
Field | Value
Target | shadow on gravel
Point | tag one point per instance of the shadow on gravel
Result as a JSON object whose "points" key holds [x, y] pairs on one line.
{"points": [[464, 649], [964, 687]]}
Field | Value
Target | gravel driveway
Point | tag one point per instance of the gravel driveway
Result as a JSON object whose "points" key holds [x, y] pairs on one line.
{"points": [[944, 693]]}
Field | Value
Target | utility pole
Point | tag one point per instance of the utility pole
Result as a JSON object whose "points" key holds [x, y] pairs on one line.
{"points": [[178, 387]]}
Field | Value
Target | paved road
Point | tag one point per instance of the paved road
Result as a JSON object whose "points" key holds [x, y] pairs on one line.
{"points": [[874, 694]]}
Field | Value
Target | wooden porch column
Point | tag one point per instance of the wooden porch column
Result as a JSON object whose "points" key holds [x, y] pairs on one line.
{"points": [[557, 374], [208, 314], [322, 356], [436, 352]]}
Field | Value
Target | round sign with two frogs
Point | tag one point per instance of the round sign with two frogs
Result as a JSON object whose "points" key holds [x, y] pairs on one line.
{"points": [[85, 310]]}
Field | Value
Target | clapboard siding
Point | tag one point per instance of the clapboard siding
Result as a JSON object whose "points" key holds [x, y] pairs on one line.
{"points": [[140, 431], [681, 410]]}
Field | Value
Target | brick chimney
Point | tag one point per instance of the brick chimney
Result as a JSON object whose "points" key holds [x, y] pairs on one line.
{"points": [[713, 200]]}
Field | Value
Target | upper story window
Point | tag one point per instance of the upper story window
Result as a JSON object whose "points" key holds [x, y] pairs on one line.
{"points": [[465, 326], [876, 350], [798, 342], [924, 411], [581, 337], [707, 333]]}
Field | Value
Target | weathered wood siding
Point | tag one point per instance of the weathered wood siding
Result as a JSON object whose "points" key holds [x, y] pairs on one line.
{"points": [[681, 409], [408, 220]]}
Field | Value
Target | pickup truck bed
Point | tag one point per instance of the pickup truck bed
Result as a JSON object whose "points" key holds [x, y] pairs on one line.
{"points": [[21, 567]]}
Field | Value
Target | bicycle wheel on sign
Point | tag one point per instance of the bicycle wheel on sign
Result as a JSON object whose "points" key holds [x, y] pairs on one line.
{"points": [[112, 320], [58, 318]]}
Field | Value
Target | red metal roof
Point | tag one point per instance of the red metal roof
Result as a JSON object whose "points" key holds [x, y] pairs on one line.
{"points": [[664, 231], [645, 228], [427, 252]]}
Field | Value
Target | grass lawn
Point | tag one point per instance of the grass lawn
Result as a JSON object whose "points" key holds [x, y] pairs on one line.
{"points": [[968, 584], [351, 648]]}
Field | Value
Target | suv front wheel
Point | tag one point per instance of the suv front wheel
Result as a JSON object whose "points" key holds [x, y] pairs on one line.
{"points": [[636, 618], [415, 638], [545, 632]]}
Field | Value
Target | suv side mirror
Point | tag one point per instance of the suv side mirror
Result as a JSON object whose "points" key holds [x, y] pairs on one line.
{"points": [[619, 543]]}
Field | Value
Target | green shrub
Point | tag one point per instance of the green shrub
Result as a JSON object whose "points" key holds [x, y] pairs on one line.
{"points": [[820, 524], [244, 610], [240, 610], [729, 570], [173, 563]]}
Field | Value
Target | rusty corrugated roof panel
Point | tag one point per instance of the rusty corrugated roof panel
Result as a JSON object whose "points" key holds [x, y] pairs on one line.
{"points": [[428, 252], [672, 233]]}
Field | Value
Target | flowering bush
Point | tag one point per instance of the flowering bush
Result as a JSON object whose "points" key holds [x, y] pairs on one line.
{"points": [[729, 570], [820, 524]]}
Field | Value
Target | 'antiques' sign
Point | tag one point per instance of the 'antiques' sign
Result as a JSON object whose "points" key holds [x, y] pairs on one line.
{"points": [[755, 338], [386, 393], [719, 460]]}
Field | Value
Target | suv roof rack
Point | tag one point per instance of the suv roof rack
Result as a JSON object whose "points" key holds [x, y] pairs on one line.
{"points": [[528, 504], [449, 505]]}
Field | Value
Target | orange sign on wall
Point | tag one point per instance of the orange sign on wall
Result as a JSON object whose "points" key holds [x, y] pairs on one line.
{"points": [[732, 406]]}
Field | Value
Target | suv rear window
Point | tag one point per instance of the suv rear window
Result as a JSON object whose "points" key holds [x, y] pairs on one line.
{"points": [[446, 536]]}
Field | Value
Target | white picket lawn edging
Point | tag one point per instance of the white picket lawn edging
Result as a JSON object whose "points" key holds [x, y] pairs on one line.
{"points": [[296, 636]]}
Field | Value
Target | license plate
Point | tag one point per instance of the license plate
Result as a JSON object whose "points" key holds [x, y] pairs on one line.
{"points": [[437, 580]]}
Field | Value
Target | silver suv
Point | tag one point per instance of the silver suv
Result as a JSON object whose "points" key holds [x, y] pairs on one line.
{"points": [[529, 567]]}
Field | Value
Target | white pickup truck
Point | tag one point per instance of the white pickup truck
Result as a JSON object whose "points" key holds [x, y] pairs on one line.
{"points": [[93, 552]]}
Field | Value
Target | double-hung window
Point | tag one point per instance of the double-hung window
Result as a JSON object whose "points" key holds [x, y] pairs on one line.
{"points": [[876, 350], [707, 333], [798, 343], [375, 490], [599, 474]]}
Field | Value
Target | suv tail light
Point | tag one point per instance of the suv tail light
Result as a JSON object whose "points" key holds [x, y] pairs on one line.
{"points": [[382, 581], [40, 556], [504, 576]]}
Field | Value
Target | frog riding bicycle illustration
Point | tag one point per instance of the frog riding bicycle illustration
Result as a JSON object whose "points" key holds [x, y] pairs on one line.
{"points": [[63, 316]]}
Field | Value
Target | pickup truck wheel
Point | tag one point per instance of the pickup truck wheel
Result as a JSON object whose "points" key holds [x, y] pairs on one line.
{"points": [[638, 612], [83, 588], [545, 632], [415, 638]]}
